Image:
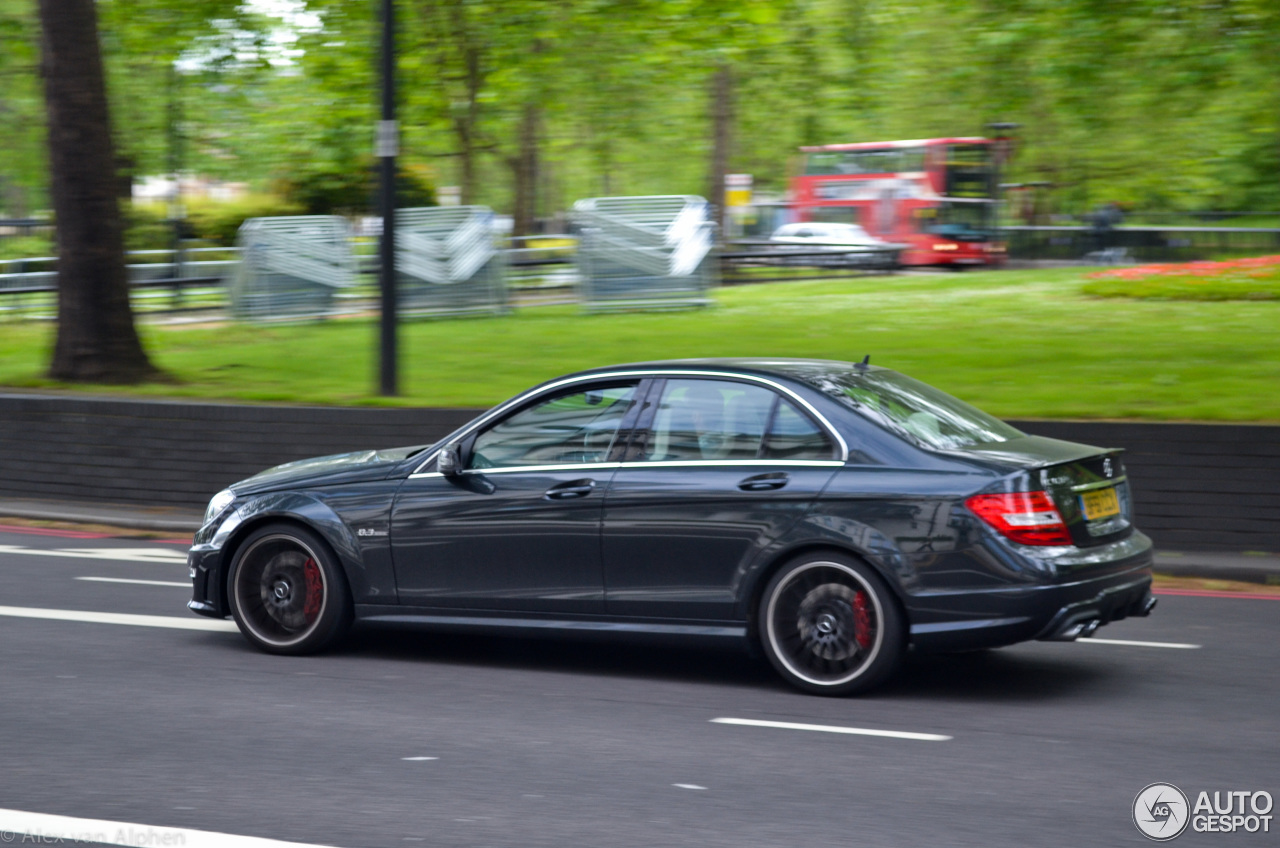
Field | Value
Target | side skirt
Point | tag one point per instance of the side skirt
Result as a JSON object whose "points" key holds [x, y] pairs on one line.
{"points": [[587, 628]]}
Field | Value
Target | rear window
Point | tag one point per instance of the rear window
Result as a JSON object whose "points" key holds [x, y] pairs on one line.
{"points": [[909, 407]]}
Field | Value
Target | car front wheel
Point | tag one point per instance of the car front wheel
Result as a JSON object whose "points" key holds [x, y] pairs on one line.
{"points": [[828, 624], [287, 593]]}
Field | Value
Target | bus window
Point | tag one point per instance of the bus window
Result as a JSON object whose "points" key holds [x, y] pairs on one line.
{"points": [[834, 214], [969, 171], [822, 165]]}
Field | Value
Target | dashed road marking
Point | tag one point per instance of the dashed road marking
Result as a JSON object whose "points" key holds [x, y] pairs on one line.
{"points": [[136, 582], [687, 786], [418, 759], [1097, 641], [47, 828], [170, 621], [831, 728]]}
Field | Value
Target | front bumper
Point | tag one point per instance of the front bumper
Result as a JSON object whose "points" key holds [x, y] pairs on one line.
{"points": [[205, 567]]}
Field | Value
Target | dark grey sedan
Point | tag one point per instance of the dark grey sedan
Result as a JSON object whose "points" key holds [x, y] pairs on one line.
{"points": [[831, 514]]}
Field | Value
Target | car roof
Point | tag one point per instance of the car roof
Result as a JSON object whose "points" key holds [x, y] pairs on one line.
{"points": [[790, 368]]}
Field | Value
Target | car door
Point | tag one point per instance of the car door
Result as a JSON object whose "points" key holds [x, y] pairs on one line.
{"points": [[519, 528], [715, 471]]}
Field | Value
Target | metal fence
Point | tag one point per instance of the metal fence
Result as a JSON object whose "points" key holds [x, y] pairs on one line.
{"points": [[644, 252]]}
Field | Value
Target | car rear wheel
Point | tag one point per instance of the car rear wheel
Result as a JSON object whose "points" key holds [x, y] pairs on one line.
{"points": [[828, 624], [286, 592]]}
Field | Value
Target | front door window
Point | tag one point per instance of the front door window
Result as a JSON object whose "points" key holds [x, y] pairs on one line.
{"points": [[578, 427]]}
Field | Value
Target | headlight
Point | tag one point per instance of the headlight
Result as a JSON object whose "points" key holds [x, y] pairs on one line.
{"points": [[220, 501]]}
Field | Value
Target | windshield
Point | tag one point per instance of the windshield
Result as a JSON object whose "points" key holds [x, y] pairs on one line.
{"points": [[958, 221], [907, 406]]}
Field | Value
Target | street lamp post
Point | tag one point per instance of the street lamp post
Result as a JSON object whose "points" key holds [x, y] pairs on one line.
{"points": [[387, 147]]}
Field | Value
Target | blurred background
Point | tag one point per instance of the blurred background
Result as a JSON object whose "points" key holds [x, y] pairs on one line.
{"points": [[1170, 109]]}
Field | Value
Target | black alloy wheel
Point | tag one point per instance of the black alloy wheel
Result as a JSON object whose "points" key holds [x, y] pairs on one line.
{"points": [[287, 594], [828, 624]]}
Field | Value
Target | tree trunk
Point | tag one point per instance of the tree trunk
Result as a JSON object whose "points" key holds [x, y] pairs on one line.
{"points": [[96, 341], [525, 166], [721, 139], [465, 124]]}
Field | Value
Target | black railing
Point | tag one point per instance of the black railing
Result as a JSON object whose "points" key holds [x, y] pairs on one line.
{"points": [[1141, 244]]}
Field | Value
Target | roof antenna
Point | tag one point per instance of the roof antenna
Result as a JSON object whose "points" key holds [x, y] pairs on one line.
{"points": [[864, 364]]}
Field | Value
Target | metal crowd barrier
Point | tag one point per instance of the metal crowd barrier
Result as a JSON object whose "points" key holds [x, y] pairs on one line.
{"points": [[291, 267], [644, 252], [446, 261]]}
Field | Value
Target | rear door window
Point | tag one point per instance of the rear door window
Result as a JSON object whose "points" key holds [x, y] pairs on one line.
{"points": [[720, 420], [794, 436]]}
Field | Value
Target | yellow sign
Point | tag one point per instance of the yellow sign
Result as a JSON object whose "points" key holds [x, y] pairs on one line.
{"points": [[737, 189]]}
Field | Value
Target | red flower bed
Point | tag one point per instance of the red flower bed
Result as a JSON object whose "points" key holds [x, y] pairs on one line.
{"points": [[1253, 266]]}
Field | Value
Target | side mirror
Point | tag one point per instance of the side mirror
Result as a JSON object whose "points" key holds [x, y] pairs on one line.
{"points": [[449, 461]]}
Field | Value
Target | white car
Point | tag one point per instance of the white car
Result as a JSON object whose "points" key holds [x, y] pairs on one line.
{"points": [[851, 244], [824, 234]]}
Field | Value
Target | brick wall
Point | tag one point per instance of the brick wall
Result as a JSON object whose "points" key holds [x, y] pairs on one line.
{"points": [[1197, 487]]}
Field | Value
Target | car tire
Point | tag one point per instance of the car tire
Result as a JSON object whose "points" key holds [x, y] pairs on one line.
{"points": [[829, 625], [286, 591]]}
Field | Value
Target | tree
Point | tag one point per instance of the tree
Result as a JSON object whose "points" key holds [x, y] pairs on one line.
{"points": [[96, 340]]}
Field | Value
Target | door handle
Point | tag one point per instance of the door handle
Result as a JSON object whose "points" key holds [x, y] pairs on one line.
{"points": [[572, 489], [764, 482]]}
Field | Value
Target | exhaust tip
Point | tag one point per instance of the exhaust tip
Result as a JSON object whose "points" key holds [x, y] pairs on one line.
{"points": [[1089, 627]]}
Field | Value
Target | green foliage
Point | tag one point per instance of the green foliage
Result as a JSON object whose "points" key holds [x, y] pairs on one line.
{"points": [[218, 222], [26, 247], [147, 227], [317, 189], [1162, 105]]}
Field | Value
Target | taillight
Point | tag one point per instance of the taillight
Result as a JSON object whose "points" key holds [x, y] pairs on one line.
{"points": [[1028, 518]]}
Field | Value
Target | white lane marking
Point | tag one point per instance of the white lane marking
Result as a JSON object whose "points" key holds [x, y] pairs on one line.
{"points": [[687, 786], [136, 582], [159, 556], [418, 759], [1096, 641], [831, 728], [48, 828], [170, 621]]}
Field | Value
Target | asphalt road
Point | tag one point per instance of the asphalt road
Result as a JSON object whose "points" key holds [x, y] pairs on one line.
{"points": [[406, 738]]}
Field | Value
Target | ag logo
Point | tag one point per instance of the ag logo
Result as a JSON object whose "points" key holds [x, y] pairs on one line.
{"points": [[1160, 811]]}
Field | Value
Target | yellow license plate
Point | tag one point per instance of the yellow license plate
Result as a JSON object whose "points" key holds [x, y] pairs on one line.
{"points": [[1102, 503]]}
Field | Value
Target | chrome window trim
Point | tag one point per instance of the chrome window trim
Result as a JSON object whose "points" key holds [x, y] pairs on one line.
{"points": [[724, 463], [832, 432], [565, 466], [666, 463]]}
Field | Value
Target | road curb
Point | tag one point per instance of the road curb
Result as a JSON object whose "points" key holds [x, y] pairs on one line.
{"points": [[72, 515]]}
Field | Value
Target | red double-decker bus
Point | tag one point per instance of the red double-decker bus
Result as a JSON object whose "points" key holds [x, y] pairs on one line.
{"points": [[937, 195]]}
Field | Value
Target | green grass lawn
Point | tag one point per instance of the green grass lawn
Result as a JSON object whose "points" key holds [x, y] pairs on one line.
{"points": [[1017, 343]]}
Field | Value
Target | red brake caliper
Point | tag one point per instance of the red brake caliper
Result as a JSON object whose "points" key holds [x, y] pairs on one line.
{"points": [[315, 589], [862, 627]]}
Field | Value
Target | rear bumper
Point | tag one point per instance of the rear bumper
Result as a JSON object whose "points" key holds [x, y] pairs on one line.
{"points": [[1081, 618], [1116, 585]]}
